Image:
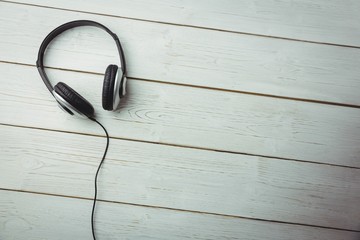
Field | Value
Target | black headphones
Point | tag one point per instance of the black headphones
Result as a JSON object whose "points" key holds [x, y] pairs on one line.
{"points": [[69, 100]]}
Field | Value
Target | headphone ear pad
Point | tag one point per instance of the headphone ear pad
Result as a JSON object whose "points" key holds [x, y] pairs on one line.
{"points": [[74, 99], [108, 87]]}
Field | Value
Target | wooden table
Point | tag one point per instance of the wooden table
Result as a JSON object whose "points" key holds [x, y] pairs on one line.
{"points": [[242, 121]]}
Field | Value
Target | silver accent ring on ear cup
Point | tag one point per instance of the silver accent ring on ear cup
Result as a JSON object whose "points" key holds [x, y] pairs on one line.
{"points": [[124, 86], [63, 103], [120, 80], [116, 95]]}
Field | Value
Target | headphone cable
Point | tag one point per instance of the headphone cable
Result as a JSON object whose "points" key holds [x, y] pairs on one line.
{"points": [[96, 176]]}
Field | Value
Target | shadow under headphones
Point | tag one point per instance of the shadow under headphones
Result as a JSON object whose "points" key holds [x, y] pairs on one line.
{"points": [[114, 86]]}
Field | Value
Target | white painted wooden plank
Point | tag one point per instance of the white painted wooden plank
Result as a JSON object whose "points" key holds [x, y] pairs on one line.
{"points": [[60, 218], [326, 21], [186, 55], [189, 179], [191, 117]]}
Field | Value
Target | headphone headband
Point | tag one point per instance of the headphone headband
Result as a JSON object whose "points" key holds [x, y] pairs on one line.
{"points": [[62, 28]]}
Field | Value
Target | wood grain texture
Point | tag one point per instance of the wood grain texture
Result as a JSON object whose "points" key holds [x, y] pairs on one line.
{"points": [[334, 21], [187, 179], [180, 192], [60, 218], [189, 116], [186, 55]]}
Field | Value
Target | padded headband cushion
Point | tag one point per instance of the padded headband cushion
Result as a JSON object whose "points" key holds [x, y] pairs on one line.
{"points": [[75, 99], [108, 87], [64, 27]]}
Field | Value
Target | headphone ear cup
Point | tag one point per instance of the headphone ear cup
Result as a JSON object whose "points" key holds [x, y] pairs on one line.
{"points": [[74, 99], [108, 87]]}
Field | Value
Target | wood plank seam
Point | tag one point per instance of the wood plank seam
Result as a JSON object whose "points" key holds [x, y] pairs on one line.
{"points": [[180, 210], [183, 146], [195, 86], [182, 225], [186, 25]]}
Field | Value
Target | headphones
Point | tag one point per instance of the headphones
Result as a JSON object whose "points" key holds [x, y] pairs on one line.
{"points": [[114, 86]]}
